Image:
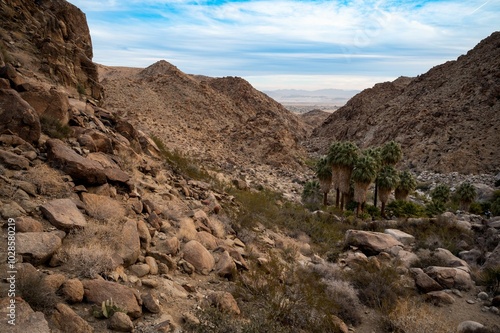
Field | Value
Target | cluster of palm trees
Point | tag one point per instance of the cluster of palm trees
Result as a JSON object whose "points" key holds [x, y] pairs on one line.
{"points": [[346, 165]]}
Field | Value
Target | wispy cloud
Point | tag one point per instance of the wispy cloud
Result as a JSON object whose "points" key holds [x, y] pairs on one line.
{"points": [[263, 39]]}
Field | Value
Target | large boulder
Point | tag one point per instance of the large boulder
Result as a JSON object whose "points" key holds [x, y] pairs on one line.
{"points": [[198, 256], [63, 214], [37, 247], [26, 320], [371, 242], [130, 243], [78, 167], [13, 161], [224, 301], [52, 103], [17, 116], [401, 236], [424, 282], [98, 291], [450, 277], [67, 320]]}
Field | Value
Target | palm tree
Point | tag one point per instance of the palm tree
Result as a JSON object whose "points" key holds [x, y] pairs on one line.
{"points": [[390, 154], [324, 174], [407, 184], [441, 194], [466, 193], [311, 194], [333, 152], [342, 164], [388, 179], [364, 173]]}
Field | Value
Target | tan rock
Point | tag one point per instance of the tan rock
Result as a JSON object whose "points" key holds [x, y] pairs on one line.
{"points": [[226, 266], [63, 214], [139, 270], [153, 266], [28, 224], [67, 320], [401, 236], [197, 255], [72, 291], [17, 116], [13, 161], [151, 303], [424, 282], [120, 322], [224, 301], [450, 277], [37, 247], [26, 320], [130, 243], [371, 242], [172, 246], [439, 297], [98, 291], [207, 240]]}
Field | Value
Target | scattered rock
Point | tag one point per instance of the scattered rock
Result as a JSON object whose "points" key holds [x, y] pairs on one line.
{"points": [[401, 236], [151, 303], [13, 161], [224, 301], [67, 320], [371, 242], [439, 298], [130, 243], [198, 256], [72, 291], [17, 116], [37, 247], [139, 270], [28, 224], [26, 320], [225, 267], [63, 214], [469, 326], [120, 322], [450, 277]]}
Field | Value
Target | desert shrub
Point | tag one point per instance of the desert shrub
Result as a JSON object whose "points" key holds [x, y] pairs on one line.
{"points": [[373, 211], [495, 203], [378, 286], [490, 277], [417, 317], [476, 208], [427, 258], [311, 195], [48, 181], [434, 208], [39, 297], [400, 208], [441, 193], [89, 252], [103, 208], [54, 128]]}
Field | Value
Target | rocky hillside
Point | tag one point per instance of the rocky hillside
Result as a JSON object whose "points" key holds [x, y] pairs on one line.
{"points": [[224, 122], [446, 119]]}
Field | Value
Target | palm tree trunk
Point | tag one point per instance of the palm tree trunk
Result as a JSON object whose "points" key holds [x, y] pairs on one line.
{"points": [[375, 195], [325, 198], [358, 209], [337, 199], [382, 210]]}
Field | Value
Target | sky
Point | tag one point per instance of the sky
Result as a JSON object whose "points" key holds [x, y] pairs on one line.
{"points": [[290, 44]]}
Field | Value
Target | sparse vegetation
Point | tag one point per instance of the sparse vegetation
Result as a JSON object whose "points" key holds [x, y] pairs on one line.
{"points": [[31, 289], [54, 128], [400, 208]]}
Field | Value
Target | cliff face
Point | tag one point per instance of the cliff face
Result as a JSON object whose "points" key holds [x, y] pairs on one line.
{"points": [[446, 119], [49, 41]]}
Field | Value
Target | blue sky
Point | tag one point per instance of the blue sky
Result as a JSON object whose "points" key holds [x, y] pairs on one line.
{"points": [[283, 44]]}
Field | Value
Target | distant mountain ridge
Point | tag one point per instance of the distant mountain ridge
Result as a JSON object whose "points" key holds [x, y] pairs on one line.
{"points": [[331, 96], [447, 119]]}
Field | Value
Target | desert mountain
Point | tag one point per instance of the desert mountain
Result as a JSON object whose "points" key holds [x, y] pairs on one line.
{"points": [[446, 119], [222, 121]]}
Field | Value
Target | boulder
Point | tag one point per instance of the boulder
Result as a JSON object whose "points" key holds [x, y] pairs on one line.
{"points": [[493, 259], [52, 104], [226, 266], [26, 321], [172, 246], [371, 242], [469, 326], [151, 303], [37, 247], [207, 240], [78, 167], [224, 301], [198, 256], [27, 224], [139, 270], [401, 236], [13, 161], [153, 266], [449, 258], [450, 277], [98, 291], [424, 282], [63, 214], [439, 298], [130, 243], [65, 319], [17, 116], [120, 322], [11, 210], [72, 290]]}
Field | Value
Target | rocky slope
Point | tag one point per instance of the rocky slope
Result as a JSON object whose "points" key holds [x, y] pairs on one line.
{"points": [[446, 119], [224, 122]]}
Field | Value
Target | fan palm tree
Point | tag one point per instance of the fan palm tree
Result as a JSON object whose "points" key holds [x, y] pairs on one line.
{"points": [[406, 185], [466, 194], [388, 179], [441, 193], [331, 157], [324, 174], [364, 173], [311, 194], [342, 164], [390, 154]]}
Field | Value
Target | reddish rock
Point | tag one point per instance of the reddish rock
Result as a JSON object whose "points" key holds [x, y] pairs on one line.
{"points": [[63, 214], [18, 116]]}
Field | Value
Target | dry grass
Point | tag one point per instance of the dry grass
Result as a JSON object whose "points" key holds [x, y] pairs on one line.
{"points": [[31, 288], [89, 252], [416, 317], [103, 208], [49, 182], [187, 229]]}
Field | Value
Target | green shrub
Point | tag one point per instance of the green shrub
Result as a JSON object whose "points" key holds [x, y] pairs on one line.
{"points": [[476, 208], [434, 208], [441, 193], [54, 128], [400, 208], [373, 211]]}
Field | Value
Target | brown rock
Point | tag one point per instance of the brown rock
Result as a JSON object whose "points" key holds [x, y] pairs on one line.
{"points": [[13, 161], [172, 246], [67, 320], [52, 282], [26, 320], [130, 243], [153, 267], [27, 224], [207, 240], [225, 267], [439, 298], [198, 256], [18, 116], [120, 322], [224, 301], [87, 142], [78, 167], [151, 303], [98, 291], [450, 277], [371, 242], [63, 214], [424, 282], [144, 234], [37, 247], [139, 270], [102, 141], [72, 290], [52, 104]]}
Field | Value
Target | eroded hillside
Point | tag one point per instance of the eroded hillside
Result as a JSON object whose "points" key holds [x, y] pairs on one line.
{"points": [[446, 119]]}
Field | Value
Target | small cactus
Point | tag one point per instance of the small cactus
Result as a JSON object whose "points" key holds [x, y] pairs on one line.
{"points": [[108, 308]]}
